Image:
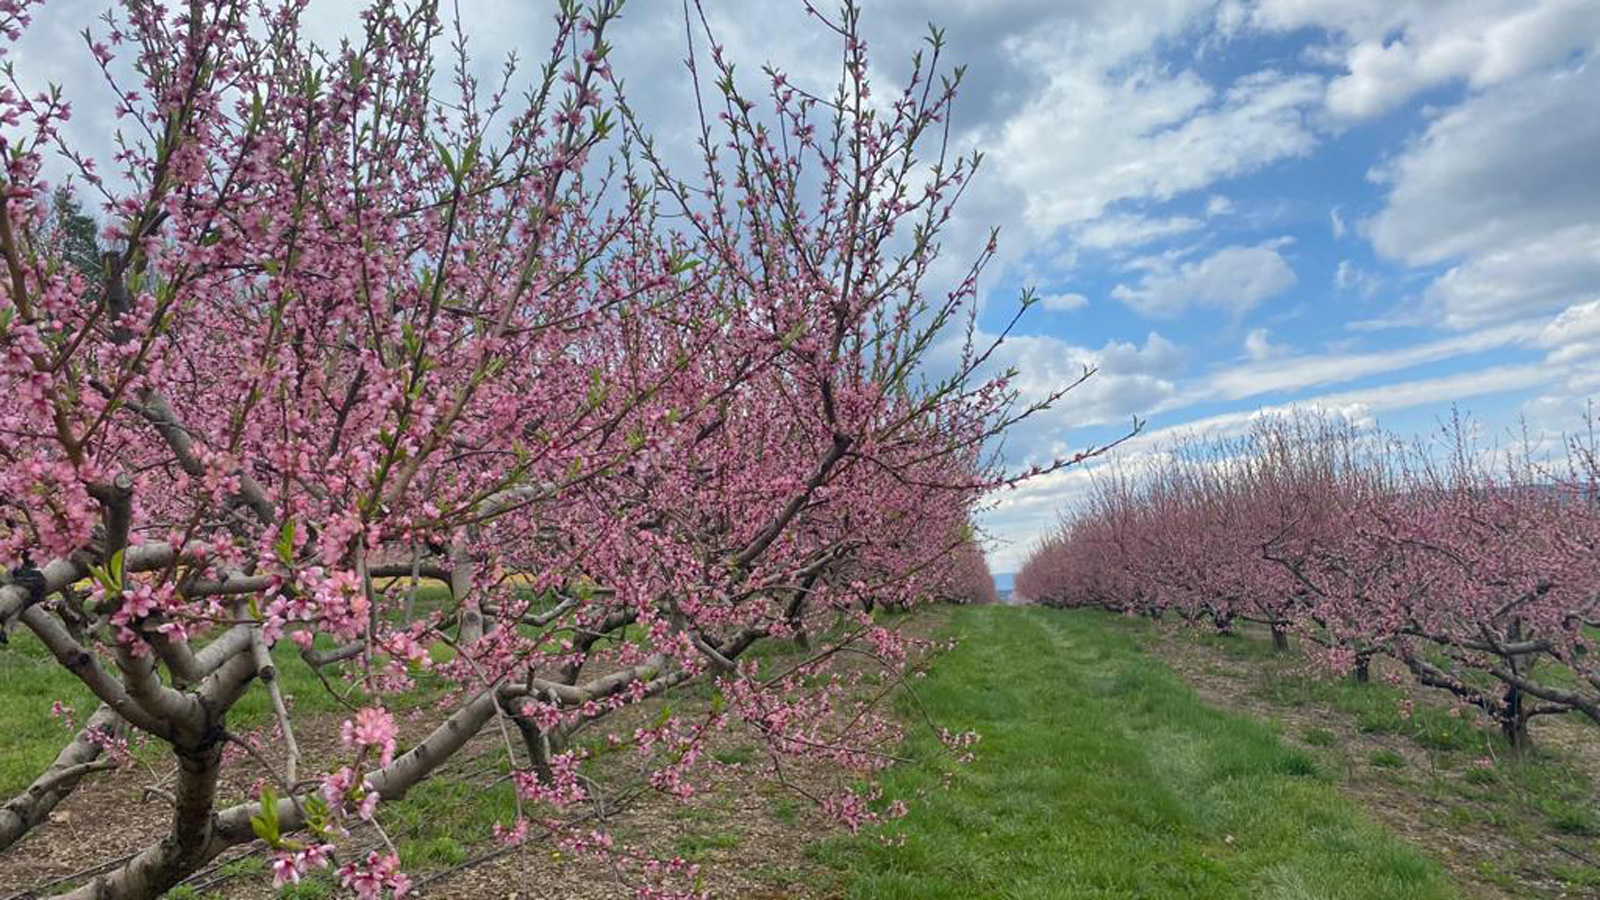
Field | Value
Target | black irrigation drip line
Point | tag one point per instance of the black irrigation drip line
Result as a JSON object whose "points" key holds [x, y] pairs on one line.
{"points": [[42, 888]]}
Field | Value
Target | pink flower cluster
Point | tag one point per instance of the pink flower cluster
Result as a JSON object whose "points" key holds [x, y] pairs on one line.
{"points": [[376, 876], [289, 866], [373, 727]]}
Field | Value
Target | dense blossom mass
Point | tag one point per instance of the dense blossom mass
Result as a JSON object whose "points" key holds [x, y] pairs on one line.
{"points": [[325, 336], [1474, 570]]}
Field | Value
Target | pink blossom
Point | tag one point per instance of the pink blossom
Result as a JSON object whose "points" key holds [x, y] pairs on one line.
{"points": [[287, 868], [372, 727]]}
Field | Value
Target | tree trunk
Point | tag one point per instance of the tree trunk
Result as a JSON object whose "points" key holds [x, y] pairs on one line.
{"points": [[1514, 720], [462, 570], [1280, 638], [409, 614], [1513, 705], [184, 849], [534, 741], [1363, 670]]}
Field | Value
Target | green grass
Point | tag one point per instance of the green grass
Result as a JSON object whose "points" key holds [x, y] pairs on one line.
{"points": [[30, 738], [698, 847], [1101, 775], [1387, 759], [1533, 797], [1319, 737], [462, 811], [316, 885]]}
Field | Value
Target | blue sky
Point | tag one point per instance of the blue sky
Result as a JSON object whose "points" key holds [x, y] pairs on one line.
{"points": [[1378, 208]]}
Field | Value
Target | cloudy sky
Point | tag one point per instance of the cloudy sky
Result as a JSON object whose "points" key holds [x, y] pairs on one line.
{"points": [[1377, 207]]}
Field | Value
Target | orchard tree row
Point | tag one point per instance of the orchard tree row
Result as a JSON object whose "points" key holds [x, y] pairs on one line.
{"points": [[343, 319], [1475, 570]]}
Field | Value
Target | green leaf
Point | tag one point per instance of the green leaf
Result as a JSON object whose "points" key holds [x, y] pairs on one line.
{"points": [[269, 806], [285, 545], [661, 719], [316, 813], [265, 825], [598, 389], [262, 831], [104, 578], [445, 157], [792, 335]]}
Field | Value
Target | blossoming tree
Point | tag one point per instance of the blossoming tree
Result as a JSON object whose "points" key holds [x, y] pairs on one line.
{"points": [[345, 335], [1473, 570]]}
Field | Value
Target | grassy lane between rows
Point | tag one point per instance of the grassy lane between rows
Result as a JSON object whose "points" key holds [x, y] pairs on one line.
{"points": [[1102, 775]]}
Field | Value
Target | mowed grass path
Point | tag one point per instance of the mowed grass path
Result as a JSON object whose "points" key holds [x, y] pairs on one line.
{"points": [[1101, 775]]}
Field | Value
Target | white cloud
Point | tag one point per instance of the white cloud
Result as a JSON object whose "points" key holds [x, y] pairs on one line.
{"points": [[1490, 168], [1540, 271], [1503, 187], [1063, 302], [1369, 400], [1234, 279], [1393, 49], [1574, 335], [1258, 345], [1444, 389], [1295, 373], [1130, 379], [1113, 232], [1095, 135], [1351, 278]]}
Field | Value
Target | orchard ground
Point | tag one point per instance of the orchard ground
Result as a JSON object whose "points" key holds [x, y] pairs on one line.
{"points": [[1220, 771]]}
